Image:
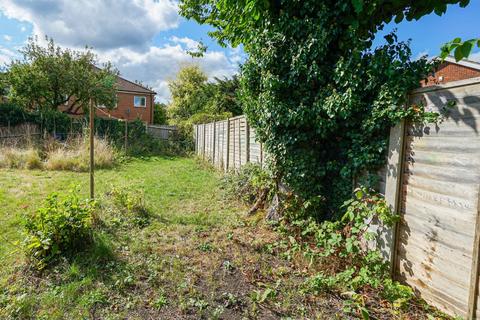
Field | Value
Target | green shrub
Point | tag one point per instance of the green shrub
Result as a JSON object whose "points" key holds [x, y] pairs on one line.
{"points": [[248, 184], [62, 227], [340, 248]]}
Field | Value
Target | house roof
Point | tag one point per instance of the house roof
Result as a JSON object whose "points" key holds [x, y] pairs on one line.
{"points": [[127, 85], [464, 62], [130, 86]]}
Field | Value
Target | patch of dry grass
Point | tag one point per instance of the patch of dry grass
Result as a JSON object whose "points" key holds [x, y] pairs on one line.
{"points": [[20, 158], [75, 155], [71, 155]]}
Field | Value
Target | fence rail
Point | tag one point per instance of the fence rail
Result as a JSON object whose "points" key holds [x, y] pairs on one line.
{"points": [[228, 144], [162, 132], [20, 131]]}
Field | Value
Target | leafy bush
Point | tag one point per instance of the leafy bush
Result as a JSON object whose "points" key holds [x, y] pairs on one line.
{"points": [[248, 184], [62, 227], [342, 249], [16, 158]]}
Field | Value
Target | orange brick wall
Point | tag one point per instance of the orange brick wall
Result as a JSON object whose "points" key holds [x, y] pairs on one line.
{"points": [[450, 72], [125, 108]]}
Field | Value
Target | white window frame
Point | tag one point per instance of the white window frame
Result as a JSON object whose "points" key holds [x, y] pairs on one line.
{"points": [[139, 106]]}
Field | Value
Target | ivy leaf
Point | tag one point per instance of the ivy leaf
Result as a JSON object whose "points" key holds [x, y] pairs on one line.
{"points": [[458, 53], [358, 5], [466, 48], [365, 314], [399, 17]]}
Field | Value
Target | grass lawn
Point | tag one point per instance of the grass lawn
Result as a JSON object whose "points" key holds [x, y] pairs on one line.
{"points": [[200, 257]]}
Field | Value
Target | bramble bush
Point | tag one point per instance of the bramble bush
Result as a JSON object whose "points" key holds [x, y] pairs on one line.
{"points": [[248, 184], [340, 248], [62, 227]]}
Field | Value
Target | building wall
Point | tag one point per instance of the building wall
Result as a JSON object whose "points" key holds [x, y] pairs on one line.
{"points": [[126, 110], [448, 72]]}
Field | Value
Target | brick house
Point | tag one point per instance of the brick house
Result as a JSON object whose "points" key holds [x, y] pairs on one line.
{"points": [[451, 70], [134, 101]]}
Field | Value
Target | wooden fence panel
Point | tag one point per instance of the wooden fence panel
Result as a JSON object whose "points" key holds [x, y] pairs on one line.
{"points": [[229, 144], [432, 179], [162, 132], [439, 200]]}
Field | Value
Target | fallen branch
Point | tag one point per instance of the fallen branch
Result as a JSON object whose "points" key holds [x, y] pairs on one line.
{"points": [[260, 203]]}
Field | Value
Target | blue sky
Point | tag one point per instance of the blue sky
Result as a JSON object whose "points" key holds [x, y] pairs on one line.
{"points": [[430, 32], [148, 41]]}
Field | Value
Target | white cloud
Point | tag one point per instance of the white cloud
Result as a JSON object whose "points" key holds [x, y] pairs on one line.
{"points": [[188, 43], [6, 56], [121, 31], [160, 64], [23, 28], [7, 38], [103, 24]]}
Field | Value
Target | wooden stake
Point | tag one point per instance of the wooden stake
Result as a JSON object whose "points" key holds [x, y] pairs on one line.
{"points": [[228, 145], [126, 135], [214, 139], [92, 158], [473, 290]]}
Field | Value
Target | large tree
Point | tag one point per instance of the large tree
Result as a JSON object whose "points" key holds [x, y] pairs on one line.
{"points": [[320, 98], [192, 94], [49, 76]]}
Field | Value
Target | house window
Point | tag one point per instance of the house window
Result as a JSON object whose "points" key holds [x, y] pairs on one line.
{"points": [[140, 101]]}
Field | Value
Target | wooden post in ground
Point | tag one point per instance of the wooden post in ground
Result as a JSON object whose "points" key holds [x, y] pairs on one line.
{"points": [[126, 136], [92, 158], [203, 146], [247, 142], [473, 290], [393, 185], [228, 145], [239, 143], [214, 140]]}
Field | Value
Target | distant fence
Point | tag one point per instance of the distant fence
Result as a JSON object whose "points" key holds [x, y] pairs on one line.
{"points": [[432, 180], [162, 132], [228, 144], [26, 129]]}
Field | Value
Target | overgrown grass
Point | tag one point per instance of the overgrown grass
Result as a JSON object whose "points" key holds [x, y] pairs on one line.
{"points": [[168, 245], [71, 155]]}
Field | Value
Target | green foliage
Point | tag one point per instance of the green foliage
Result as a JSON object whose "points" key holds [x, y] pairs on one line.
{"points": [[461, 49], [241, 21], [130, 207], [248, 183], [160, 113], [60, 228], [195, 100], [50, 76], [189, 93], [49, 120], [321, 100], [342, 248]]}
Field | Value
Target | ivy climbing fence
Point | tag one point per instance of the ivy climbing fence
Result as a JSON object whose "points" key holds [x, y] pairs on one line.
{"points": [[432, 180]]}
